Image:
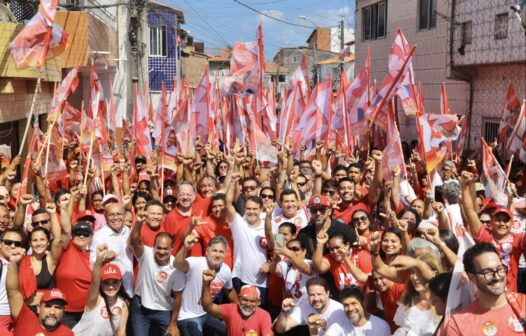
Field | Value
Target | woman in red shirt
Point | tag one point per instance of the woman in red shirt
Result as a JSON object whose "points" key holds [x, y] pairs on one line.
{"points": [[73, 273]]}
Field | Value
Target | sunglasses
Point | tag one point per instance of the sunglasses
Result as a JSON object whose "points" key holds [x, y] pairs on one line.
{"points": [[42, 222], [269, 196], [301, 184], [316, 210], [357, 219], [250, 188], [10, 242], [485, 221], [295, 248], [81, 234], [328, 192]]}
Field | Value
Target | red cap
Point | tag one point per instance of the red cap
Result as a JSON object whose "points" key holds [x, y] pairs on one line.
{"points": [[168, 193], [110, 271], [249, 291], [502, 210], [87, 213], [318, 200], [54, 294]]}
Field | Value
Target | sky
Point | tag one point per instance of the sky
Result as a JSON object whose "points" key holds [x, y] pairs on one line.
{"points": [[219, 23]]}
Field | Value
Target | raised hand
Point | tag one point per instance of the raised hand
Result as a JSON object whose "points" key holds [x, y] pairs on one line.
{"points": [[141, 216], [287, 305], [101, 253], [322, 238], [26, 199], [208, 275], [64, 201], [51, 208], [317, 166], [189, 241]]}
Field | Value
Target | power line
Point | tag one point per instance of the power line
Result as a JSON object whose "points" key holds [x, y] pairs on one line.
{"points": [[270, 16], [206, 22]]}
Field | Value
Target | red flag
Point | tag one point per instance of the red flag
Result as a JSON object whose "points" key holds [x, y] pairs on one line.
{"points": [[246, 68], [435, 130], [69, 84], [270, 120], [340, 122], [517, 141], [301, 76], [112, 115], [143, 145], [291, 112], [96, 94], [509, 117], [406, 90], [40, 39], [357, 99], [392, 154], [495, 176], [200, 122], [464, 124], [37, 141], [71, 121]]}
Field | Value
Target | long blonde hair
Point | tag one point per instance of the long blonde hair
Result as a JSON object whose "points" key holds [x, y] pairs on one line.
{"points": [[410, 292]]}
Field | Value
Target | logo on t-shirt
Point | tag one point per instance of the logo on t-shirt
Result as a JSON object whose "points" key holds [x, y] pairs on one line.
{"points": [[263, 243], [115, 311], [215, 287], [489, 328], [161, 277]]}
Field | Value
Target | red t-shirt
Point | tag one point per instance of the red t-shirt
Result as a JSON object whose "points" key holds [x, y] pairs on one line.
{"points": [[212, 228], [344, 213], [275, 289], [73, 276], [476, 320], [389, 300], [509, 251], [175, 224], [258, 323], [148, 234], [342, 275], [27, 323], [202, 204]]}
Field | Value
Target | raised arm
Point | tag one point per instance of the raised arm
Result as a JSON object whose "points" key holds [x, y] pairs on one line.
{"points": [[297, 262], [56, 243], [180, 261], [229, 201], [318, 180], [403, 262], [20, 215], [65, 221], [466, 181], [318, 264], [284, 322], [269, 235], [375, 190], [93, 292], [14, 296], [134, 240], [206, 297]]}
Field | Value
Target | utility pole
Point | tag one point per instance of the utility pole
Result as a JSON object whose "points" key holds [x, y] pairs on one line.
{"points": [[342, 35]]}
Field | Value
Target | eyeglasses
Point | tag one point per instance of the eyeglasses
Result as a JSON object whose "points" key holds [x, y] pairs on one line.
{"points": [[116, 215], [10, 242], [301, 184], [81, 234], [250, 188], [489, 275], [328, 192], [316, 210], [295, 248], [42, 222], [485, 221], [357, 219], [269, 196]]}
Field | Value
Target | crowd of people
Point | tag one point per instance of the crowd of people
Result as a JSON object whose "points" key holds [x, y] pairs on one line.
{"points": [[227, 245]]}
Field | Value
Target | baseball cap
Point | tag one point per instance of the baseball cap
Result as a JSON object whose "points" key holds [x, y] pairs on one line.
{"points": [[110, 271], [87, 213], [109, 197], [249, 291], [502, 210], [54, 294], [318, 201], [168, 193], [479, 186], [82, 228]]}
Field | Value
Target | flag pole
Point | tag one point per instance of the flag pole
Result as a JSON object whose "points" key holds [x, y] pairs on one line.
{"points": [[31, 111], [89, 157]]}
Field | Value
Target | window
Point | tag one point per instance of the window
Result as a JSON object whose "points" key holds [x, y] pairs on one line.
{"points": [[157, 41], [501, 26], [374, 21], [467, 29], [491, 130], [296, 58], [427, 17]]}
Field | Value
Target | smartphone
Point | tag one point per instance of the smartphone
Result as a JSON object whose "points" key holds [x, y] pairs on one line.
{"points": [[278, 239]]}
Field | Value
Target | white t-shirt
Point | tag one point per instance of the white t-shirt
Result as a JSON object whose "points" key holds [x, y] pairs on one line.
{"points": [[374, 327], [420, 322], [193, 286], [303, 310], [154, 282], [117, 242], [4, 303], [250, 252], [96, 322], [295, 281], [300, 220]]}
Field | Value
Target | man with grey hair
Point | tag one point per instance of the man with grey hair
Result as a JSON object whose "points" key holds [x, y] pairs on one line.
{"points": [[192, 319]]}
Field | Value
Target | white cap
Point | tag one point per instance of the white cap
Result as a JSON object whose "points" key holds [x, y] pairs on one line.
{"points": [[108, 197]]}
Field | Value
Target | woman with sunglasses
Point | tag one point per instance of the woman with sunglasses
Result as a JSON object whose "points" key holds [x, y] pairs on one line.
{"points": [[290, 265], [73, 273], [362, 224], [37, 270], [106, 311]]}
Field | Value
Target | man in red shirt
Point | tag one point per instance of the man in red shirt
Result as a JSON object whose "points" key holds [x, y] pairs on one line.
{"points": [[495, 311], [50, 309], [154, 222], [181, 216], [509, 245], [244, 318], [206, 188], [353, 196]]}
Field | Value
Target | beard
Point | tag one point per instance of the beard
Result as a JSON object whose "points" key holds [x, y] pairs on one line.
{"points": [[493, 291], [246, 312], [49, 322]]}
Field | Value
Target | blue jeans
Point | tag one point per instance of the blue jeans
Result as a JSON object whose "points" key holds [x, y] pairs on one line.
{"points": [[144, 319], [201, 325]]}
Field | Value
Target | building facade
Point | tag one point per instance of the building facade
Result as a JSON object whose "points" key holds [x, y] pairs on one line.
{"points": [[475, 46]]}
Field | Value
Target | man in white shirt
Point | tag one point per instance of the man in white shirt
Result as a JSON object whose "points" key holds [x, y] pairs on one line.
{"points": [[152, 303], [115, 235], [192, 318], [290, 211], [355, 320], [318, 312], [250, 244]]}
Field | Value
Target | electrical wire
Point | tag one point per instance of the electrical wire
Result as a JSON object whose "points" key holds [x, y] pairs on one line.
{"points": [[270, 16]]}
